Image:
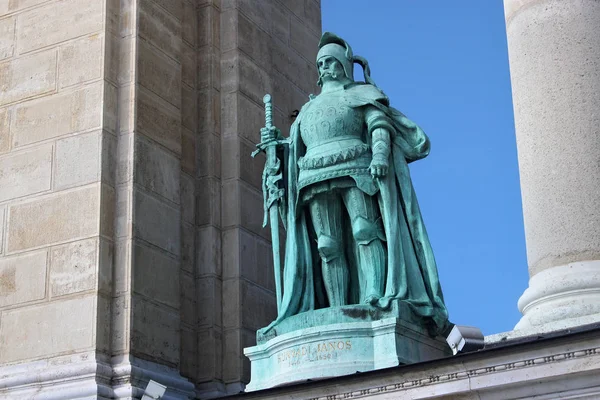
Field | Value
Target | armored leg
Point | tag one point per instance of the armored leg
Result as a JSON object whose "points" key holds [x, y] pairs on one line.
{"points": [[326, 214], [367, 229]]}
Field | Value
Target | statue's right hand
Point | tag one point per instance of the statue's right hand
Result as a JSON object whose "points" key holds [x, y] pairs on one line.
{"points": [[269, 133]]}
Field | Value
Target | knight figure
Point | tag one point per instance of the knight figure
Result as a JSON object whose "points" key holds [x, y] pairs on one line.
{"points": [[354, 231]]}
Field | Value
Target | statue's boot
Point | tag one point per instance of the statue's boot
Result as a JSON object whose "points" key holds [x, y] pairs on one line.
{"points": [[372, 264], [335, 274]]}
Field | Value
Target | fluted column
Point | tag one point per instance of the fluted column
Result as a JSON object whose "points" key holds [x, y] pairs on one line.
{"points": [[554, 52]]}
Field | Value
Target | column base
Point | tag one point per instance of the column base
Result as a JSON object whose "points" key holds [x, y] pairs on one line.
{"points": [[561, 297], [87, 376]]}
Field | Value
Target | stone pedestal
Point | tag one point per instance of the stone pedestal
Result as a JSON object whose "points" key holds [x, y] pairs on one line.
{"points": [[356, 340], [554, 51]]}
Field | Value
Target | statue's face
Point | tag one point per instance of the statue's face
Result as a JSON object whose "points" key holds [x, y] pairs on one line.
{"points": [[330, 68]]}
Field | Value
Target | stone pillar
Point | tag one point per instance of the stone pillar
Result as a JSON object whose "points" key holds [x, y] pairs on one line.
{"points": [[554, 51], [265, 47]]}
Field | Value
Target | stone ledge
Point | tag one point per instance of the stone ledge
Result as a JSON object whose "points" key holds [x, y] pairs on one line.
{"points": [[558, 367], [89, 375]]}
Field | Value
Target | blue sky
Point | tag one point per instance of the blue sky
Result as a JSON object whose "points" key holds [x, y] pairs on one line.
{"points": [[445, 65]]}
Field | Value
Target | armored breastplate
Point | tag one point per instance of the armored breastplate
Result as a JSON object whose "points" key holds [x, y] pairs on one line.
{"points": [[329, 119], [333, 134]]}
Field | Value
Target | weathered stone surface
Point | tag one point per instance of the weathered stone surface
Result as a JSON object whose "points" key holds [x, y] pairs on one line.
{"points": [[156, 337], [240, 108], [27, 76], [188, 247], [175, 7], [4, 130], [159, 74], [157, 223], [209, 110], [189, 357], [258, 12], [236, 367], [209, 295], [251, 260], [22, 278], [58, 115], [35, 332], [54, 219], [156, 276], [251, 79], [78, 160], [2, 220], [188, 199], [209, 252], [188, 151], [208, 69], [243, 213], [105, 266], [231, 303], [298, 70], [73, 267], [189, 71], [189, 24], [159, 120], [209, 202], [157, 170], [209, 155], [189, 108], [259, 306], [130, 99], [80, 61], [58, 21], [110, 116], [7, 37], [189, 310], [109, 158], [252, 169], [303, 39], [17, 5], [108, 211], [210, 351], [103, 327], [312, 16], [208, 25], [280, 23], [253, 41], [25, 173], [160, 27]]}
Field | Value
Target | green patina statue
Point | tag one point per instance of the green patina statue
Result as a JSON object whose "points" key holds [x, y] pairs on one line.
{"points": [[341, 184]]}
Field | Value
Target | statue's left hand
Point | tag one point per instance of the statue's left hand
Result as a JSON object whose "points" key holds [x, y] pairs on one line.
{"points": [[379, 167]]}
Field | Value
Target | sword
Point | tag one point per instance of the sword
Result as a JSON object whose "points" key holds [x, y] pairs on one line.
{"points": [[271, 192]]}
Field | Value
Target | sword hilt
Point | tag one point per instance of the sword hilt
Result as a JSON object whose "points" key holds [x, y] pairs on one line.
{"points": [[268, 111]]}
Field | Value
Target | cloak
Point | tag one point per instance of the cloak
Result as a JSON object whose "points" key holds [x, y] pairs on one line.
{"points": [[411, 273]]}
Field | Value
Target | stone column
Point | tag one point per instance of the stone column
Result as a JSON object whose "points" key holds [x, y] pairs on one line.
{"points": [[554, 51]]}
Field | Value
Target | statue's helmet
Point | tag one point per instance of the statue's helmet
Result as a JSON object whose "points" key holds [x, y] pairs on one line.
{"points": [[333, 45]]}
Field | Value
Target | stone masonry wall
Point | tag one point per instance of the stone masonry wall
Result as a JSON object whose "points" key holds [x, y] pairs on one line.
{"points": [[130, 209], [58, 129]]}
